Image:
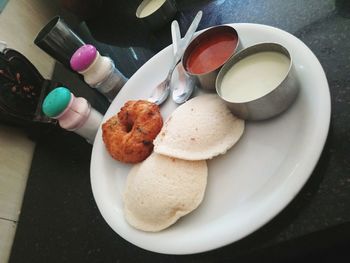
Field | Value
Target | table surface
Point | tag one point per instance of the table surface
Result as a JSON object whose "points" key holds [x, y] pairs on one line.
{"points": [[60, 221]]}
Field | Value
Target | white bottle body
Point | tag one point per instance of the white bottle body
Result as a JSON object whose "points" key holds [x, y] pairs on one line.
{"points": [[104, 76]]}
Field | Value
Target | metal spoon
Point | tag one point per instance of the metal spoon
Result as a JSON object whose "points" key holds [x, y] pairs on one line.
{"points": [[182, 84], [162, 91], [175, 36]]}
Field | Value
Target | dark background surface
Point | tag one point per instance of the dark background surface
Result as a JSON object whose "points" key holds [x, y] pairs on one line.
{"points": [[60, 222]]}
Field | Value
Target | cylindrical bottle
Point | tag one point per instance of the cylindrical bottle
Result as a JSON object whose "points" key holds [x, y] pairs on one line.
{"points": [[73, 114], [99, 71]]}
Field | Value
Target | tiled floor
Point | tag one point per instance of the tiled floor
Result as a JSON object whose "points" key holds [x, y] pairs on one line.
{"points": [[3, 4], [16, 155], [7, 230], [20, 22], [15, 158]]}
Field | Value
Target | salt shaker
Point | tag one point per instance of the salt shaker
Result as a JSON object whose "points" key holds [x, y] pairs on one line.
{"points": [[73, 113], [99, 71]]}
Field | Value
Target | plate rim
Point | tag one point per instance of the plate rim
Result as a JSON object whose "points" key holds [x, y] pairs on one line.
{"points": [[288, 196]]}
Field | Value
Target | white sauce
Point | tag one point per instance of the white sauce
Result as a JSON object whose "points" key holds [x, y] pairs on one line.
{"points": [[254, 76], [150, 7]]}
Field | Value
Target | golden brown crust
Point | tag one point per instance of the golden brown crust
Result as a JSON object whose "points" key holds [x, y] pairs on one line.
{"points": [[129, 135]]}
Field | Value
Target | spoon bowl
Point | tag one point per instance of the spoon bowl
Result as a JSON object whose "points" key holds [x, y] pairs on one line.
{"points": [[162, 90], [182, 85]]}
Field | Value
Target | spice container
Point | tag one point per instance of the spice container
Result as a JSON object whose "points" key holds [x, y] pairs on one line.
{"points": [[73, 114], [156, 13], [58, 40], [99, 71]]}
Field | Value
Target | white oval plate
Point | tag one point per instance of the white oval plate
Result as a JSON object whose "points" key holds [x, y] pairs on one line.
{"points": [[247, 186]]}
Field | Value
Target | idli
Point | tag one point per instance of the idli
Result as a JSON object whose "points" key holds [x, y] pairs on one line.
{"points": [[161, 189], [199, 129]]}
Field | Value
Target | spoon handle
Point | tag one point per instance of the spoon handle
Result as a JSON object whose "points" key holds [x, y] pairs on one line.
{"points": [[190, 32], [176, 36], [187, 38]]}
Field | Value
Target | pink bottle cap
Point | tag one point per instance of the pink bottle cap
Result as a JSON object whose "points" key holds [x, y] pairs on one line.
{"points": [[83, 57]]}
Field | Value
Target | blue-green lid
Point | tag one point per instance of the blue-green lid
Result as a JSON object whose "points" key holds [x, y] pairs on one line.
{"points": [[56, 102]]}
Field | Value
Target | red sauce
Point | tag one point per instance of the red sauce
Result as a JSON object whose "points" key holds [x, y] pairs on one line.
{"points": [[211, 53]]}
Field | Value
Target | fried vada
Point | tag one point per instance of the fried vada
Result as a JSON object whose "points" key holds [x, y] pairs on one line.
{"points": [[129, 135]]}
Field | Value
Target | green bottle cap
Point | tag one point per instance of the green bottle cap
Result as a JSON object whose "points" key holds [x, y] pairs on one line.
{"points": [[56, 102]]}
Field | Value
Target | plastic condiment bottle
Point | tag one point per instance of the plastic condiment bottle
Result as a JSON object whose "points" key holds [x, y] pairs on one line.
{"points": [[99, 71], [73, 114]]}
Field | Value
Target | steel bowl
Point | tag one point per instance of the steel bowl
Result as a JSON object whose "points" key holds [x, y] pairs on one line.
{"points": [[268, 105], [207, 79], [159, 17]]}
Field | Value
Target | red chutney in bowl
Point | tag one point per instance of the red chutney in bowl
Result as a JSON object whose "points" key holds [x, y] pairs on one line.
{"points": [[211, 52]]}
